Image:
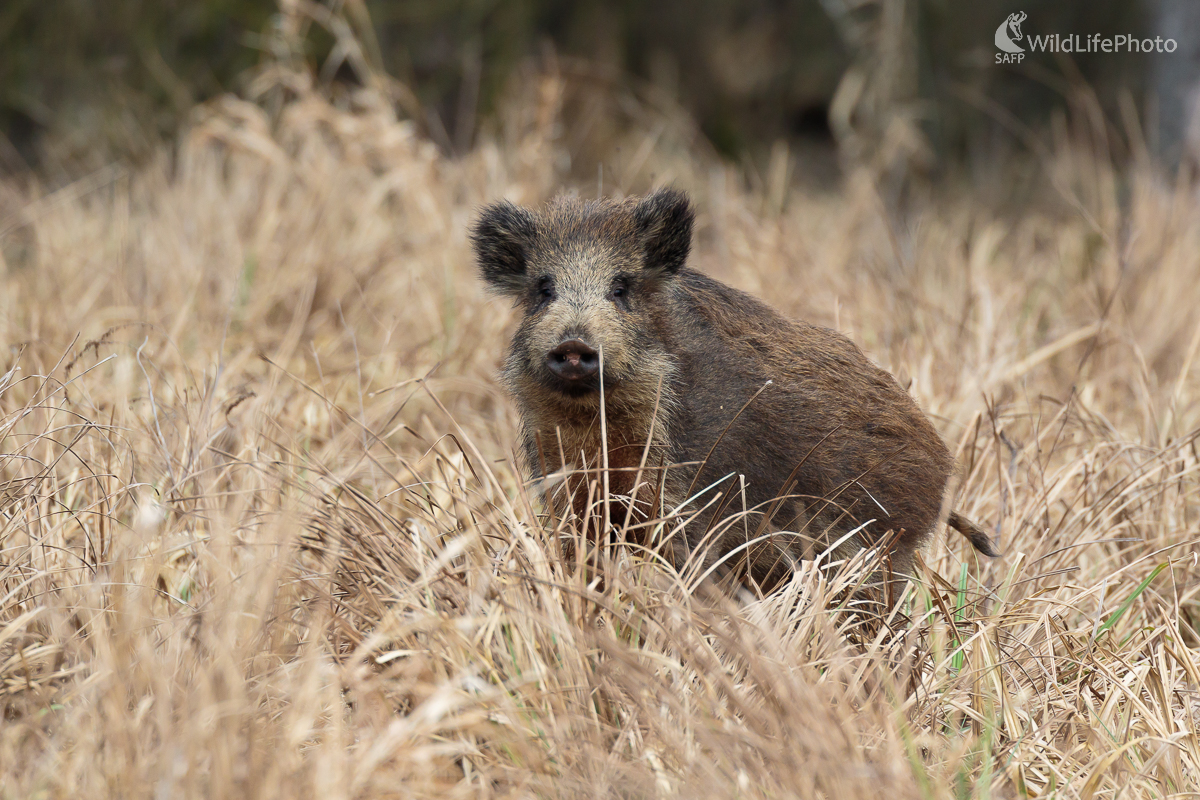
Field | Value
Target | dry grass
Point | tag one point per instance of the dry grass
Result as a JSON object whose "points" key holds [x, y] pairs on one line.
{"points": [[262, 533]]}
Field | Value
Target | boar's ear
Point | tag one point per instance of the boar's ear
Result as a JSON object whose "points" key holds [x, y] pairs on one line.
{"points": [[664, 220], [502, 238]]}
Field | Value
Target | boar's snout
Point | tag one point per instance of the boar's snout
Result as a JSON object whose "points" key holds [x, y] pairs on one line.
{"points": [[573, 360]]}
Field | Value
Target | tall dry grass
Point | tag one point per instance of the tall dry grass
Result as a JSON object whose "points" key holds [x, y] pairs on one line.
{"points": [[263, 535]]}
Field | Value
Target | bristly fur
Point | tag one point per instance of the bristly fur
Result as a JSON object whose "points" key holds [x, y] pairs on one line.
{"points": [[783, 428]]}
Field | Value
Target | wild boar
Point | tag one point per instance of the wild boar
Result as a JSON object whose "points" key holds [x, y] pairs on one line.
{"points": [[779, 439]]}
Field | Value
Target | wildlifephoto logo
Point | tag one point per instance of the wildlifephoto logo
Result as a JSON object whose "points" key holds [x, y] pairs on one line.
{"points": [[1009, 34]]}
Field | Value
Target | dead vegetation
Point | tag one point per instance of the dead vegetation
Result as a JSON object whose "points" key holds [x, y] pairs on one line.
{"points": [[262, 533]]}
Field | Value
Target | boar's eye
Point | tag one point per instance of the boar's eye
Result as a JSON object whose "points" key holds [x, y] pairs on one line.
{"points": [[545, 292], [619, 293]]}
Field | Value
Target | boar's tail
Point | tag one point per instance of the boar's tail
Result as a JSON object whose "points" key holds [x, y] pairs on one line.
{"points": [[977, 535]]}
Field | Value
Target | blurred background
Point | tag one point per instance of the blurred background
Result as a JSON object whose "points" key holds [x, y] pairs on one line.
{"points": [[909, 88]]}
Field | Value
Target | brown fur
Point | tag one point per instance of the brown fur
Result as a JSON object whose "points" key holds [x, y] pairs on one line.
{"points": [[770, 426]]}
